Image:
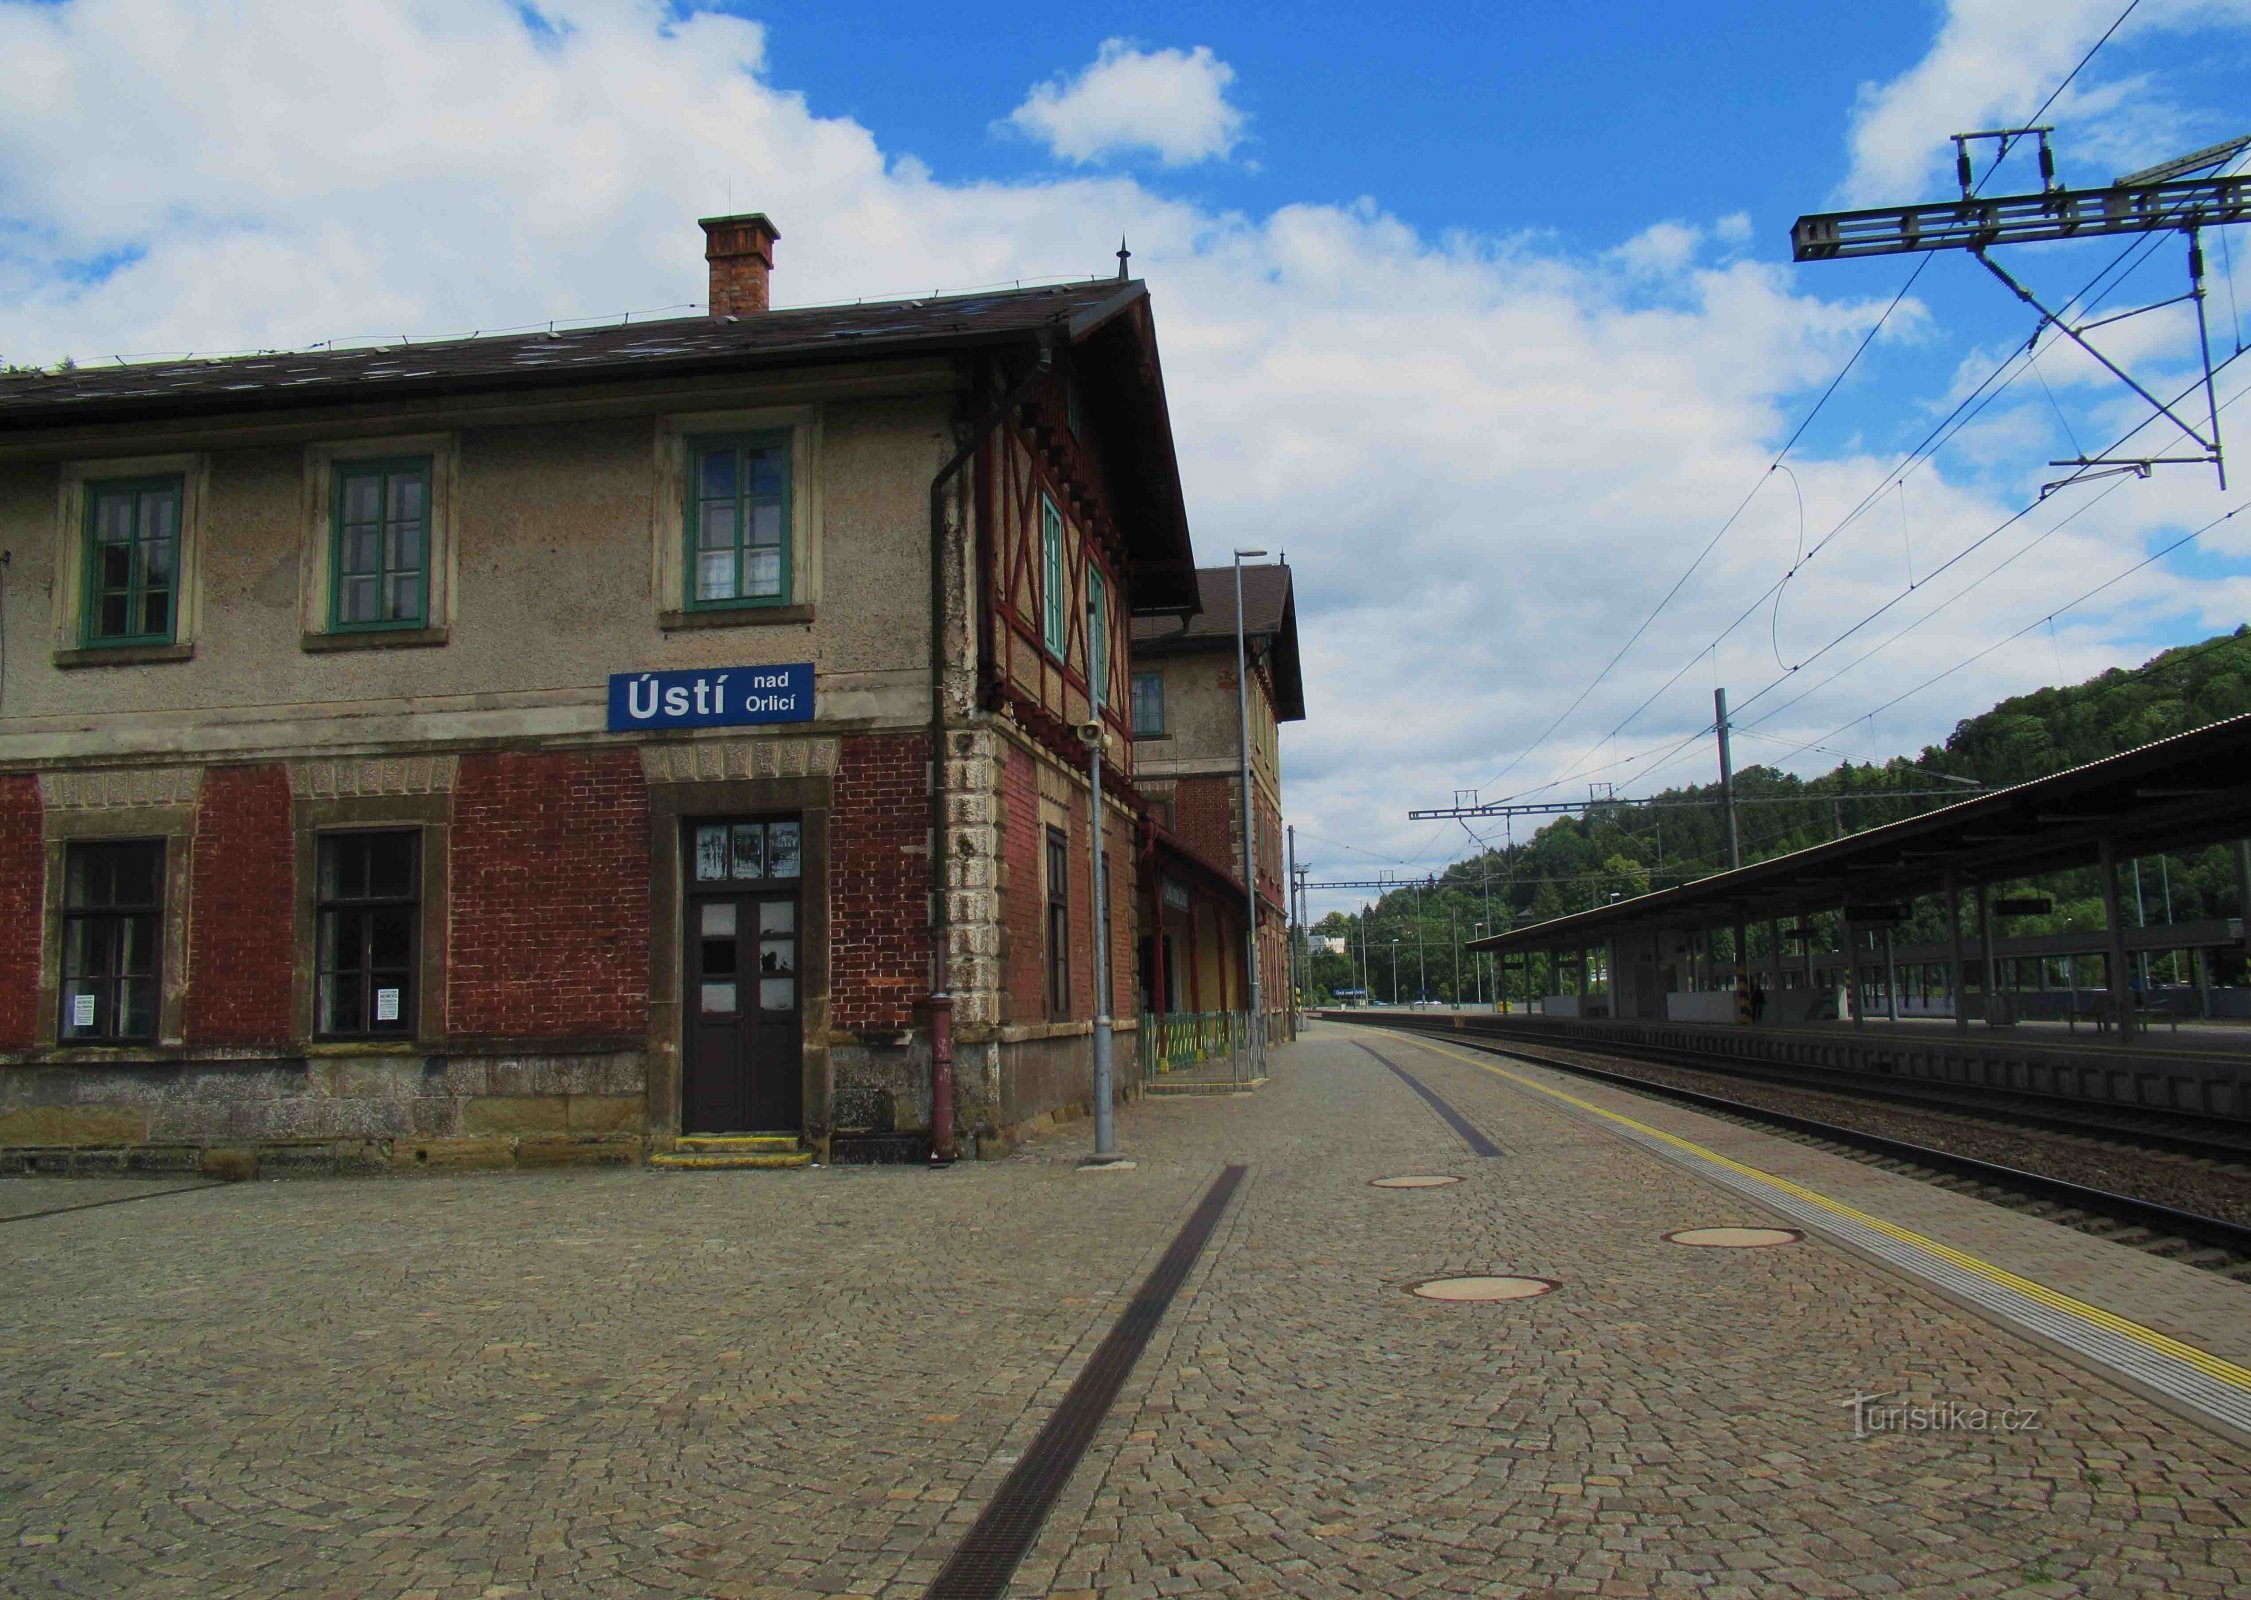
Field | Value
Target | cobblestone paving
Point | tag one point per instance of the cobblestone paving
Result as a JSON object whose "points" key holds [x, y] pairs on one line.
{"points": [[795, 1384]]}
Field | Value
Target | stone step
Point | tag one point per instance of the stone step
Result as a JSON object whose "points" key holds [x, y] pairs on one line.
{"points": [[729, 1161], [738, 1143]]}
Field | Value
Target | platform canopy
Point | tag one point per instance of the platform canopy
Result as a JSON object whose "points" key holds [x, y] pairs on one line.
{"points": [[2179, 794]]}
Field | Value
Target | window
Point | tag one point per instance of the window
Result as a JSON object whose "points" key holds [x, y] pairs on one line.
{"points": [[369, 917], [379, 560], [131, 586], [113, 902], [1097, 637], [1058, 926], [738, 520], [1051, 575], [1148, 705]]}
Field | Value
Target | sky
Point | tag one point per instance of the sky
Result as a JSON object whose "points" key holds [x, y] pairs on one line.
{"points": [[1484, 314]]}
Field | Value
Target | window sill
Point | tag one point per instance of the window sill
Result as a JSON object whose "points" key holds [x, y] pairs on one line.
{"points": [[733, 617], [122, 655], [374, 639]]}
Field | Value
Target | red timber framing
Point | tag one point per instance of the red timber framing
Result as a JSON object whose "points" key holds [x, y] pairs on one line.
{"points": [[1031, 458]]}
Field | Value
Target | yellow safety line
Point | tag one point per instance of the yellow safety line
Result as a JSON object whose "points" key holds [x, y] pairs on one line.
{"points": [[2204, 1361]]}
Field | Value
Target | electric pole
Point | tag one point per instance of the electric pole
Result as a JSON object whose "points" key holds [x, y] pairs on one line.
{"points": [[1727, 781]]}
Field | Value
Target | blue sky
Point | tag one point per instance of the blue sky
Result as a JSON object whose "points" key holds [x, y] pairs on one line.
{"points": [[1484, 313]]}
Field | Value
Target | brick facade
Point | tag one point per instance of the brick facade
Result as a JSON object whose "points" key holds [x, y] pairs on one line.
{"points": [[1204, 819], [1023, 895], [22, 889], [879, 882], [549, 896], [241, 908]]}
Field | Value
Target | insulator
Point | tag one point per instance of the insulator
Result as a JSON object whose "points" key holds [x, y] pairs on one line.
{"points": [[1962, 166], [2047, 166], [2195, 259]]}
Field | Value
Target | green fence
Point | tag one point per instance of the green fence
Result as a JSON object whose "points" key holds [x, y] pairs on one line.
{"points": [[1182, 1040]]}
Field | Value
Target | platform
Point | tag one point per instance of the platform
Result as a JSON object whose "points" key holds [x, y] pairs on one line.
{"points": [[557, 1384]]}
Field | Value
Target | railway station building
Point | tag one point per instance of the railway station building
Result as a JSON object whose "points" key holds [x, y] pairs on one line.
{"points": [[586, 744], [1191, 728]]}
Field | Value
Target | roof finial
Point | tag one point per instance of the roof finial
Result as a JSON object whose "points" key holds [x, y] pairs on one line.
{"points": [[1124, 255]]}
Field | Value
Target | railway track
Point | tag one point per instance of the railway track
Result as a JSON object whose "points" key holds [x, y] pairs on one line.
{"points": [[2216, 1244]]}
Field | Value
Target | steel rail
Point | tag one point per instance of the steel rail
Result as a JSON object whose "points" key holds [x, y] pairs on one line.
{"points": [[2165, 1220], [2173, 1132]]}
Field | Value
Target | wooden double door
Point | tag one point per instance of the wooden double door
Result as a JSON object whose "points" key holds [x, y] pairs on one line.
{"points": [[743, 1053]]}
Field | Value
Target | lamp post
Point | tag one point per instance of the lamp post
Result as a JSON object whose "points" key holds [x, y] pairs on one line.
{"points": [[1105, 1131], [1395, 972], [1250, 831]]}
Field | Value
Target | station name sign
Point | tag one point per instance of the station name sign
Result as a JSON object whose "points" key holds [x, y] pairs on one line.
{"points": [[712, 697]]}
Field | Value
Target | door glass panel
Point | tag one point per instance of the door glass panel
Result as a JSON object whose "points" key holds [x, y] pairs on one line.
{"points": [[776, 994], [782, 850], [719, 999], [719, 920], [777, 955], [778, 916], [711, 854], [750, 850]]}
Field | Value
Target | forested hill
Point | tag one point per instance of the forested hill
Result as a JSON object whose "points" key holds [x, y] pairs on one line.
{"points": [[1577, 862]]}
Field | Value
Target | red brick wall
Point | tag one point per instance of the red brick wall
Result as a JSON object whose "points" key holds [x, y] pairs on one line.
{"points": [[1024, 909], [879, 882], [22, 889], [1203, 818], [242, 923], [550, 896]]}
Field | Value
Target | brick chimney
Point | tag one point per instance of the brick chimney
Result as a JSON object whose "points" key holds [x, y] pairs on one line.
{"points": [[741, 253]]}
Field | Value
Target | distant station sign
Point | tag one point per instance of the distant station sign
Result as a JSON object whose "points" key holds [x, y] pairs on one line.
{"points": [[716, 697]]}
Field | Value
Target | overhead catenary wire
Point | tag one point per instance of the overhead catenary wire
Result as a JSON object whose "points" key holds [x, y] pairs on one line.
{"points": [[2001, 154]]}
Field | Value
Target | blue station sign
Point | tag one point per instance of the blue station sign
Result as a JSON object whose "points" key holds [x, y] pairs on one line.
{"points": [[713, 697]]}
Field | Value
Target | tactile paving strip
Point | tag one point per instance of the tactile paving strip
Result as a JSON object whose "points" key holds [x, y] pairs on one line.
{"points": [[1478, 1144], [988, 1555]]}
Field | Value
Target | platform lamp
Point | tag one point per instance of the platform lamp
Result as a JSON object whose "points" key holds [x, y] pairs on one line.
{"points": [[1250, 835]]}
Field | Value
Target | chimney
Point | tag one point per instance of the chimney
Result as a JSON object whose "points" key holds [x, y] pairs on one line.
{"points": [[741, 253]]}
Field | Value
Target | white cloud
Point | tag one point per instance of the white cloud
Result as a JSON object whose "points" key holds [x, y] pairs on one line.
{"points": [[1991, 65], [1483, 455], [1168, 103]]}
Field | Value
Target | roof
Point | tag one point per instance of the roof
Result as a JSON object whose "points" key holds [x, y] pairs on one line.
{"points": [[1269, 617], [665, 348], [2181, 793], [1105, 324]]}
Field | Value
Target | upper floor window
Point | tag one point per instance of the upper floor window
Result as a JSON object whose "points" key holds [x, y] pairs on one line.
{"points": [[1051, 576], [379, 562], [1148, 705], [1097, 637], [738, 520], [132, 548], [113, 904], [370, 909]]}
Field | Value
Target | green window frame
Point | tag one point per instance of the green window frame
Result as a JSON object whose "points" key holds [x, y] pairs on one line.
{"points": [[131, 587], [1097, 637], [1051, 576], [1148, 705], [379, 545], [737, 521]]}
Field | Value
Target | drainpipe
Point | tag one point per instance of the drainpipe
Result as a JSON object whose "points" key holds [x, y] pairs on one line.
{"points": [[941, 974]]}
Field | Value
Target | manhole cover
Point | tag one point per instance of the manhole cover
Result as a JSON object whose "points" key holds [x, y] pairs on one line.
{"points": [[1481, 1288], [1735, 1238], [1414, 1180]]}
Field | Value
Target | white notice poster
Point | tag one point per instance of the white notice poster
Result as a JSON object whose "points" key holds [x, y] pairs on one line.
{"points": [[82, 1011], [386, 1005]]}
